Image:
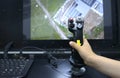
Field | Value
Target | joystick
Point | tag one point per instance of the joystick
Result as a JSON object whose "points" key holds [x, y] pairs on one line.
{"points": [[75, 25]]}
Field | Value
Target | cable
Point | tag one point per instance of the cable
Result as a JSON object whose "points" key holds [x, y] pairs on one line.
{"points": [[7, 48], [52, 60]]}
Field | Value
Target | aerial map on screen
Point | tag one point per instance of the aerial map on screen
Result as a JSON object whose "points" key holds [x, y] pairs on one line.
{"points": [[49, 18]]}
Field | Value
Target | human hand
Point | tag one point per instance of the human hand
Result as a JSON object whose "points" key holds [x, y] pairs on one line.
{"points": [[85, 50]]}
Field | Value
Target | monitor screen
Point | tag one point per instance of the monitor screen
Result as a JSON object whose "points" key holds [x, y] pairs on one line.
{"points": [[48, 19]]}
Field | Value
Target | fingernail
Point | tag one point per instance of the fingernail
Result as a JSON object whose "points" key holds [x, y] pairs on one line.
{"points": [[70, 42]]}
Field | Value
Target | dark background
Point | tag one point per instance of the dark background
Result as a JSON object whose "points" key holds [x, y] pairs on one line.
{"points": [[11, 19]]}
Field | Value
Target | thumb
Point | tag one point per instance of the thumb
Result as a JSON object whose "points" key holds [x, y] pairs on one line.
{"points": [[74, 45]]}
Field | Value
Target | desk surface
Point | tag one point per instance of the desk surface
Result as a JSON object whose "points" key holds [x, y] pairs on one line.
{"points": [[42, 69]]}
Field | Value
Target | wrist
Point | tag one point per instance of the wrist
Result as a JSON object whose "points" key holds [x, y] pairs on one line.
{"points": [[90, 59]]}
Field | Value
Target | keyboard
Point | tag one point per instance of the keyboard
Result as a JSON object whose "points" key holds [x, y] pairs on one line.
{"points": [[14, 68]]}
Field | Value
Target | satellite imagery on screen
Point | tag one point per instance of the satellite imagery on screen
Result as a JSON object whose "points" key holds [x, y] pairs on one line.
{"points": [[49, 18]]}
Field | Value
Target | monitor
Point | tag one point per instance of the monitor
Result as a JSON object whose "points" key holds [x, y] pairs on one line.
{"points": [[43, 23], [49, 19]]}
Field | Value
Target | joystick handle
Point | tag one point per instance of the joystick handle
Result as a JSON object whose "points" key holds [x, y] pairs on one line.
{"points": [[76, 27]]}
